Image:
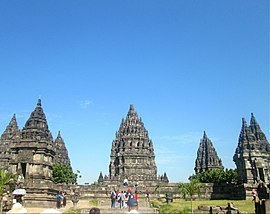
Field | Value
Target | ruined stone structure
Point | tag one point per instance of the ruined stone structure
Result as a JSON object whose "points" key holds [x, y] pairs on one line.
{"points": [[207, 157], [132, 152], [252, 155], [32, 152]]}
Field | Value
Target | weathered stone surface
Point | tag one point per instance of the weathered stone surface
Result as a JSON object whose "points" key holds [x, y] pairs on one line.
{"points": [[61, 151], [207, 157], [31, 153], [252, 155], [132, 152]]}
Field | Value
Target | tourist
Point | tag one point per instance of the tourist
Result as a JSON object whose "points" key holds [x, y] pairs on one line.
{"points": [[136, 195], [94, 210], [123, 199], [263, 195], [113, 199], [126, 197], [20, 179], [119, 200], [125, 183], [132, 205], [147, 195], [64, 199], [256, 200], [59, 200]]}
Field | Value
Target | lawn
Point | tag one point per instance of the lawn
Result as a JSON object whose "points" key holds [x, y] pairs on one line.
{"points": [[183, 206]]}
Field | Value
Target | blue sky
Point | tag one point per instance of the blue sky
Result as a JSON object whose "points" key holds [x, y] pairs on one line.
{"points": [[187, 66]]}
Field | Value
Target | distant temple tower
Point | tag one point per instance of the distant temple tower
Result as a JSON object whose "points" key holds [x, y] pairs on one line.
{"points": [[61, 151], [252, 155], [11, 135], [132, 152], [207, 157]]}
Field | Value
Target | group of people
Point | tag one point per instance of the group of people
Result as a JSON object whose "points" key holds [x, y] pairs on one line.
{"points": [[259, 197], [61, 200], [125, 199]]}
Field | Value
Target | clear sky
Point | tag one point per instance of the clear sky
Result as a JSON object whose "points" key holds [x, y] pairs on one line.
{"points": [[187, 66]]}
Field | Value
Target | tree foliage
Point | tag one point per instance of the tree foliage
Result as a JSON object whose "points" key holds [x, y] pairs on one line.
{"points": [[63, 174], [217, 176], [6, 179], [188, 190]]}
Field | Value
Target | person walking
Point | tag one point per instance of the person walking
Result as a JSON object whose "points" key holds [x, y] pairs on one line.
{"points": [[262, 194], [113, 199]]}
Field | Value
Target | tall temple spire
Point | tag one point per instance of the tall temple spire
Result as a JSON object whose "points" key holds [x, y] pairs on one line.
{"points": [[255, 128], [12, 131], [61, 155], [207, 157], [132, 152], [252, 155], [36, 126]]}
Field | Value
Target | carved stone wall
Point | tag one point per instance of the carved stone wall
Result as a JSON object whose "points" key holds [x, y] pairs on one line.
{"points": [[207, 157], [132, 152], [252, 155]]}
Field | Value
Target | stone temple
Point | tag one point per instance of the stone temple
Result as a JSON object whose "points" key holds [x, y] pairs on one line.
{"points": [[132, 153], [32, 153], [207, 157], [252, 155]]}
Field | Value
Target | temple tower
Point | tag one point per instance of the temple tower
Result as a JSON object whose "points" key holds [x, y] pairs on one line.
{"points": [[132, 152], [61, 151], [252, 155], [207, 157], [33, 154], [10, 135]]}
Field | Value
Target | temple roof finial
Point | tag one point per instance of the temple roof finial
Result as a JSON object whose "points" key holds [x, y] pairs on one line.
{"points": [[39, 102], [131, 108], [59, 134], [204, 134]]}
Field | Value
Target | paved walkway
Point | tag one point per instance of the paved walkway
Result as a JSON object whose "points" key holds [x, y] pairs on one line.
{"points": [[104, 208]]}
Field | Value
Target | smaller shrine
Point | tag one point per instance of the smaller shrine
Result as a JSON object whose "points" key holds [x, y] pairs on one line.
{"points": [[207, 157]]}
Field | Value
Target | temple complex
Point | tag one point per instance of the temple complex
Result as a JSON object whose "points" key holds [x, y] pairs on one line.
{"points": [[252, 155], [132, 153], [32, 152], [207, 157]]}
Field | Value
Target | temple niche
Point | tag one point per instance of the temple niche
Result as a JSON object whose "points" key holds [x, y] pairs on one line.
{"points": [[207, 158], [132, 152], [252, 155]]}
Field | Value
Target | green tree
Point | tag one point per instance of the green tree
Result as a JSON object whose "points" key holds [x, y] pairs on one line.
{"points": [[217, 176], [63, 174], [188, 190], [6, 179]]}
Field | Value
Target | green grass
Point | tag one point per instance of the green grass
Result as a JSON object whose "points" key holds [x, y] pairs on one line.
{"points": [[93, 202], [182, 206], [73, 211]]}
